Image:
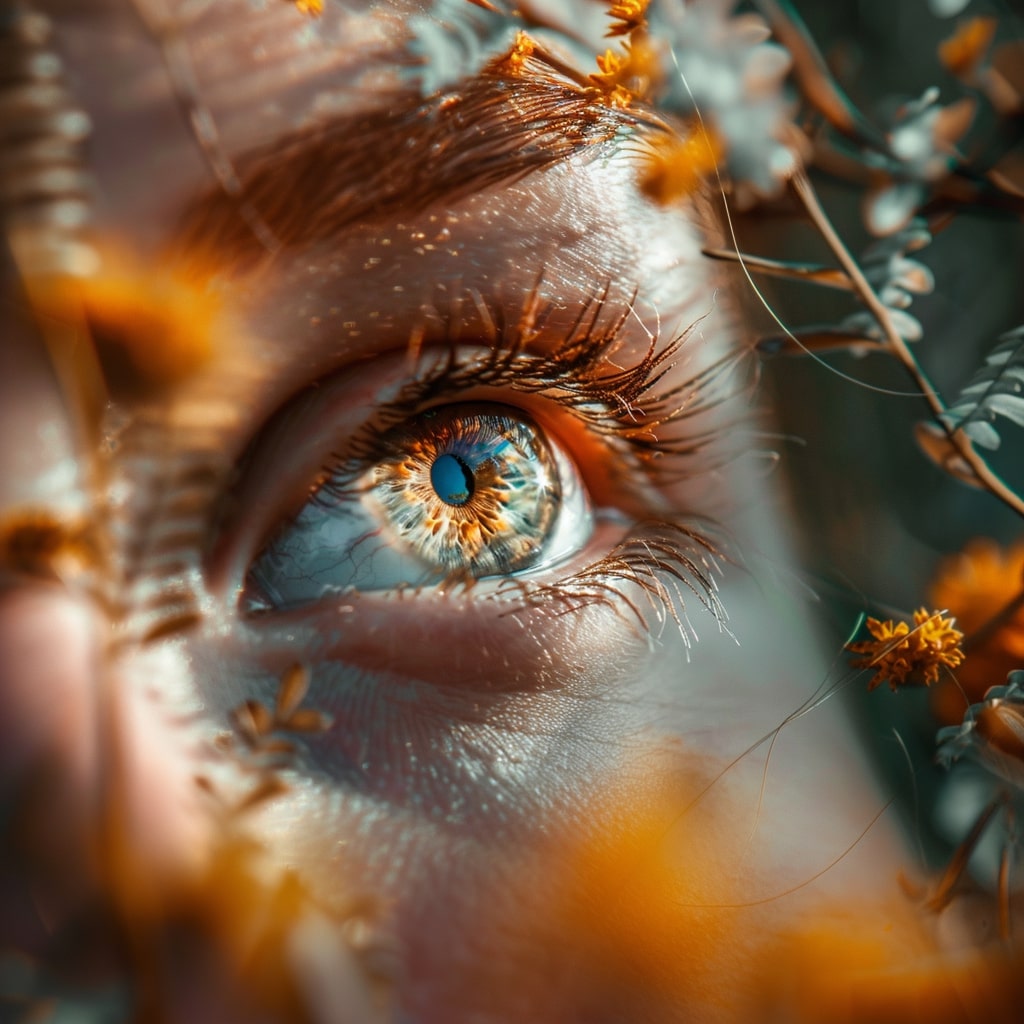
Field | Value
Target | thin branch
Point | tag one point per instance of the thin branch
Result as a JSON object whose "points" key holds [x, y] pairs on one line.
{"points": [[166, 33], [812, 273], [898, 347], [958, 863], [813, 74], [1009, 855]]}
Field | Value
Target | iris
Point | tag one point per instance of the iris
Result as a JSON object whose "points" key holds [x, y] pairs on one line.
{"points": [[459, 491], [471, 488]]}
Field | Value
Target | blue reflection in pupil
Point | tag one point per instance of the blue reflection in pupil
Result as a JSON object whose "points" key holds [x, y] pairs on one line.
{"points": [[452, 479]]}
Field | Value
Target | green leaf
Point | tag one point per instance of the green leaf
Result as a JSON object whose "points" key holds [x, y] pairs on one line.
{"points": [[997, 389]]}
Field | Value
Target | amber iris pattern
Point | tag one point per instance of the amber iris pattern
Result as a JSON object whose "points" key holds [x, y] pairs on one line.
{"points": [[470, 488]]}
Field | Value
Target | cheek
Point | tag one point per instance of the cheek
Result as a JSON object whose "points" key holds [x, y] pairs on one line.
{"points": [[597, 826], [528, 816], [481, 715]]}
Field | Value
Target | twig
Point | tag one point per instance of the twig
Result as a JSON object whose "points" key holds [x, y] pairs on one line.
{"points": [[819, 84], [898, 347], [944, 892]]}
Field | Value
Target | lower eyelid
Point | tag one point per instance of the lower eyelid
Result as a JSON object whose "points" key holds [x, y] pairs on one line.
{"points": [[608, 595], [480, 600], [448, 642]]}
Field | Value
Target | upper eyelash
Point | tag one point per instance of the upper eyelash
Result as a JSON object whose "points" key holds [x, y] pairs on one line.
{"points": [[626, 406], [662, 557]]}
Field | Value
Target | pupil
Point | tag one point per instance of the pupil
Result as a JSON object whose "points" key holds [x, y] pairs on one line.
{"points": [[452, 479]]}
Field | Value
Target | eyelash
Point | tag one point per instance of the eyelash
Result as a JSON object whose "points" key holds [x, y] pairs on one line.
{"points": [[625, 407], [663, 559], [662, 556]]}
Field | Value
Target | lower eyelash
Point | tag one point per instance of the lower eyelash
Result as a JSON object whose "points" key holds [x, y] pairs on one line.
{"points": [[665, 561]]}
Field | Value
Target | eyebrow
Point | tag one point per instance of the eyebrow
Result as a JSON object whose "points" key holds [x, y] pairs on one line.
{"points": [[497, 127]]}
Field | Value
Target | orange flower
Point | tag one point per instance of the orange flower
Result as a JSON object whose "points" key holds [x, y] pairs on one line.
{"points": [[979, 586], [612, 66], [902, 656], [153, 327], [314, 8], [626, 16], [522, 50], [679, 164], [964, 51], [628, 73]]}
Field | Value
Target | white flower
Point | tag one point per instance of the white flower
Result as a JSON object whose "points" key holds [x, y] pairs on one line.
{"points": [[727, 71], [922, 151], [897, 279], [455, 40]]}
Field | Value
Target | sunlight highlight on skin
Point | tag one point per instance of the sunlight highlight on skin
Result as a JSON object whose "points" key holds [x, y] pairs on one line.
{"points": [[537, 796]]}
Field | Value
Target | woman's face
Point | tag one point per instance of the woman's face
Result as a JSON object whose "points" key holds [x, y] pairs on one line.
{"points": [[394, 594]]}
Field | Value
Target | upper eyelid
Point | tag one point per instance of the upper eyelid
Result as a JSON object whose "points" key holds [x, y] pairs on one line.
{"points": [[310, 316], [632, 407], [569, 374], [592, 352]]}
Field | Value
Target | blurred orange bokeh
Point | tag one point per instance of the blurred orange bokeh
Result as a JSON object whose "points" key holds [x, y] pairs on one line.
{"points": [[979, 587]]}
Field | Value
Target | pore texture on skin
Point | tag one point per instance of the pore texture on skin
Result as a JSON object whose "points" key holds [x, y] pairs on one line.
{"points": [[398, 621]]}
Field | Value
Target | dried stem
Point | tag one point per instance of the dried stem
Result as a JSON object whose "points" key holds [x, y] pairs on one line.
{"points": [[957, 865], [898, 347], [1005, 926], [815, 78]]}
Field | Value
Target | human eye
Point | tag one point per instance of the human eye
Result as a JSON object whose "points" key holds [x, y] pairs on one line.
{"points": [[505, 491], [398, 612], [458, 492], [586, 424]]}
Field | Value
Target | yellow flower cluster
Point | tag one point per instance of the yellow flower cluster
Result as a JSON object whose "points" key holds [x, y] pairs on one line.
{"points": [[628, 74], [902, 655], [627, 16], [522, 50], [679, 163]]}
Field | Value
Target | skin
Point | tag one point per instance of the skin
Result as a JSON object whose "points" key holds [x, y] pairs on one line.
{"points": [[513, 814]]}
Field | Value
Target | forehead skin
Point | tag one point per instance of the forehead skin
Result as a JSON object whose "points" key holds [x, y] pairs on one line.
{"points": [[467, 861], [523, 178], [253, 73]]}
